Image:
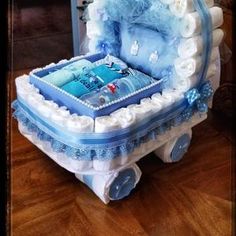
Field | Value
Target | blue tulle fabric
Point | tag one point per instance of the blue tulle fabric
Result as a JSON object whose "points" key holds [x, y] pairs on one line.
{"points": [[154, 16], [124, 148]]}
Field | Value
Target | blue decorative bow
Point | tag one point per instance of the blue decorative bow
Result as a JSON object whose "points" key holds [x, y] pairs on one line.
{"points": [[199, 97]]}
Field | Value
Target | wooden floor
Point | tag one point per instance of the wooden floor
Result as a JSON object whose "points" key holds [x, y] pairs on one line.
{"points": [[192, 197]]}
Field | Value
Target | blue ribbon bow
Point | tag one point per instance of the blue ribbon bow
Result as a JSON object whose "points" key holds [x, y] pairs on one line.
{"points": [[199, 97]]}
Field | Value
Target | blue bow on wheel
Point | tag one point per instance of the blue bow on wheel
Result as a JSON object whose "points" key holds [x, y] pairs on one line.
{"points": [[199, 97]]}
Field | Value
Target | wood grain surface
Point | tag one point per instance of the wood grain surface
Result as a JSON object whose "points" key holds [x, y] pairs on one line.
{"points": [[192, 197]]}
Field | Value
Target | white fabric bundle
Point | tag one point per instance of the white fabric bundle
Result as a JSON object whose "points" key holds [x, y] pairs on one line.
{"points": [[124, 116], [180, 7], [190, 66], [106, 124], [80, 124], [193, 46], [191, 24]]}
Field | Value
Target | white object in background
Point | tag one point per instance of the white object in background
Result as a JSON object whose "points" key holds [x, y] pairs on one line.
{"points": [[180, 7], [193, 46], [106, 124], [191, 24]]}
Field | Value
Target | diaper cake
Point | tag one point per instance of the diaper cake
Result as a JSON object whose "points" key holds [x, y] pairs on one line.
{"points": [[149, 76]]}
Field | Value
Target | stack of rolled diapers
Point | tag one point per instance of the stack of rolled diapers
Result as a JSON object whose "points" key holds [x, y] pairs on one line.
{"points": [[189, 62]]}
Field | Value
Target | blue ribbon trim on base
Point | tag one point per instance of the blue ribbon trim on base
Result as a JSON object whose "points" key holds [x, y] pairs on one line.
{"points": [[103, 149]]}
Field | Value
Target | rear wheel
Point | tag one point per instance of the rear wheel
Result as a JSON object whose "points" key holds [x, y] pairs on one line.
{"points": [[174, 150]]}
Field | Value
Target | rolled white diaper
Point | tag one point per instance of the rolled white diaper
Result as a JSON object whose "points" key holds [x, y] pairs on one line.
{"points": [[190, 66], [78, 165], [187, 67], [191, 24], [180, 7], [106, 124], [60, 116], [51, 104], [193, 46], [140, 111], [125, 117], [184, 84], [154, 106], [106, 165], [175, 94], [80, 124], [34, 99], [25, 88], [45, 109], [22, 80], [165, 100]]}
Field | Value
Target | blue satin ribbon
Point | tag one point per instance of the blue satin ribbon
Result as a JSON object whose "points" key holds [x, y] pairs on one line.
{"points": [[96, 140]]}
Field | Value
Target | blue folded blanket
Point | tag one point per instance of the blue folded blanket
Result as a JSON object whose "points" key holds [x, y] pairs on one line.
{"points": [[68, 73], [93, 79]]}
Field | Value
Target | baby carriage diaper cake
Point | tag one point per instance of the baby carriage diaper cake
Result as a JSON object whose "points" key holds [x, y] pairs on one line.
{"points": [[149, 76]]}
